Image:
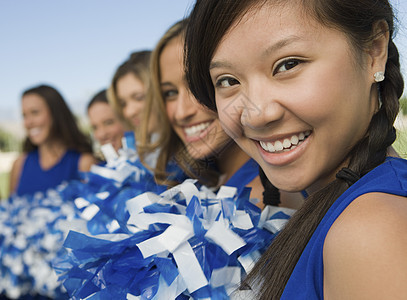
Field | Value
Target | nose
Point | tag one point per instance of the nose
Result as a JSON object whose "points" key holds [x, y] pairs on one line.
{"points": [[261, 107], [27, 121], [186, 107], [100, 134], [130, 110]]}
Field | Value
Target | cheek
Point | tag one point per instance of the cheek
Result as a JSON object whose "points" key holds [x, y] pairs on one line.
{"points": [[169, 109], [117, 129], [125, 111], [229, 118], [140, 106], [48, 120]]}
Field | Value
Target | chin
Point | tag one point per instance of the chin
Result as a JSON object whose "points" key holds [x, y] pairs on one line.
{"points": [[199, 153]]}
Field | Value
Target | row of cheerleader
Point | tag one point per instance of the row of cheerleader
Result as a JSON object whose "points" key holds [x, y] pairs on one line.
{"points": [[167, 206], [116, 234], [257, 164]]}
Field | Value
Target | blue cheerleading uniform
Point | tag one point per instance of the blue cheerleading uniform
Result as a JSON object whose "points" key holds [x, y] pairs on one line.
{"points": [[35, 179], [244, 175], [307, 278]]}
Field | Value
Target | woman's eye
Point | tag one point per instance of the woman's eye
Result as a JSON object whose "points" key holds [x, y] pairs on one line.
{"points": [[226, 82], [287, 65], [170, 94], [108, 122], [138, 97]]}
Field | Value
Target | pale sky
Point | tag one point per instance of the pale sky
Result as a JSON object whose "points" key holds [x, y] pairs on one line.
{"points": [[76, 45]]}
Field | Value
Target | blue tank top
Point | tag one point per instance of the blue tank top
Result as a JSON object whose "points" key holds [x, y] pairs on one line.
{"points": [[307, 278], [244, 175], [33, 178]]}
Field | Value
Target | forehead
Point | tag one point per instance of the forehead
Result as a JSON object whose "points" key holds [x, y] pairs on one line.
{"points": [[129, 79], [100, 108], [171, 56], [269, 22], [32, 100]]}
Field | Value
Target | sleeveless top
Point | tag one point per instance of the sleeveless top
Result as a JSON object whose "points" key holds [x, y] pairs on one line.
{"points": [[244, 175], [35, 179], [307, 278]]}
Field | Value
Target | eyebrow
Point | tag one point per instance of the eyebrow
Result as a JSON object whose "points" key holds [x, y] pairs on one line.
{"points": [[169, 83], [166, 83], [280, 44], [219, 64], [273, 48]]}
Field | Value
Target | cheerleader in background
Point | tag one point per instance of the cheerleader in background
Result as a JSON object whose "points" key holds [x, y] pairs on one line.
{"points": [[194, 239], [55, 149], [106, 126]]}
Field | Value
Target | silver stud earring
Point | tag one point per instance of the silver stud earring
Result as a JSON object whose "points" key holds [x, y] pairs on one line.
{"points": [[378, 76]]}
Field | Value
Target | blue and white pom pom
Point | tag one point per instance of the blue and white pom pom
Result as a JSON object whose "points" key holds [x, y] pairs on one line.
{"points": [[185, 242], [33, 228]]}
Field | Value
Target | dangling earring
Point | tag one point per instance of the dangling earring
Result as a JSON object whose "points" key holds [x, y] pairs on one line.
{"points": [[378, 76]]}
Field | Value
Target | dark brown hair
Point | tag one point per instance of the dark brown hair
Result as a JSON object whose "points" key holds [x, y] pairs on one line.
{"points": [[210, 21], [64, 126], [99, 97]]}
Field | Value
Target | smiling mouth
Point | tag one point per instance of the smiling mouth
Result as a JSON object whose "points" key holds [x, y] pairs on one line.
{"points": [[34, 131], [196, 130], [286, 144]]}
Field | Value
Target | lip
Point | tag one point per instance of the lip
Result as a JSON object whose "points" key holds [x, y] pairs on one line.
{"points": [[34, 131], [202, 135], [108, 141], [135, 121], [283, 158]]}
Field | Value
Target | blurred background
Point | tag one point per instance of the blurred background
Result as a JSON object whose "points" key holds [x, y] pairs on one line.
{"points": [[77, 45]]}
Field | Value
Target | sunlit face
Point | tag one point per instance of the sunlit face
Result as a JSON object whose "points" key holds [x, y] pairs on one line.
{"points": [[106, 126], [292, 94], [197, 127], [37, 119], [131, 97]]}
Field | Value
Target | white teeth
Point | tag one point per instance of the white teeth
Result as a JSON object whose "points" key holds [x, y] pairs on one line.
{"points": [[270, 147], [294, 140], [34, 131], [194, 130], [278, 146], [286, 144]]}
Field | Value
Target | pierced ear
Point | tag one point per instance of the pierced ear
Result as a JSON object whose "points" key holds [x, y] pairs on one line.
{"points": [[378, 49]]}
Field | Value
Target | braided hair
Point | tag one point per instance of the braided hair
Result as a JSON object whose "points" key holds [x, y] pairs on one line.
{"points": [[357, 20]]}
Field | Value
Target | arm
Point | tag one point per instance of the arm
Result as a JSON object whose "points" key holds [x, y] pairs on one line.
{"points": [[86, 161], [365, 251], [15, 173]]}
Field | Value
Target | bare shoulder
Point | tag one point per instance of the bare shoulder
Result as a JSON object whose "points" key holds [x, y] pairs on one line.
{"points": [[365, 250], [15, 171], [86, 161]]}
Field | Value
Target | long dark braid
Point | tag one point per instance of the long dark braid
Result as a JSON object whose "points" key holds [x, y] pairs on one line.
{"points": [[209, 22]]}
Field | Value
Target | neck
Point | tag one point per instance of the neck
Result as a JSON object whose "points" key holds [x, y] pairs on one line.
{"points": [[231, 160], [50, 153]]}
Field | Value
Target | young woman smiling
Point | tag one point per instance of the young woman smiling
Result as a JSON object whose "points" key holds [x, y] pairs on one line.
{"points": [[310, 90], [55, 149], [189, 133]]}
